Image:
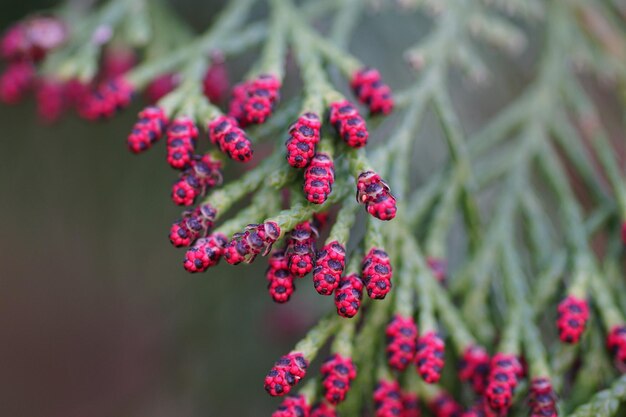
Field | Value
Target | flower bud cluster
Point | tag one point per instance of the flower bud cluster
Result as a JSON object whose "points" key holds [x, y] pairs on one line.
{"points": [[376, 273], [286, 373], [443, 405], [148, 129], [616, 344], [401, 333], [350, 125], [505, 372], [474, 367], [280, 281], [194, 223], [387, 399], [542, 399], [182, 138], [375, 194], [429, 357], [348, 295], [319, 178], [304, 135], [368, 86], [225, 132], [573, 314], [301, 249], [337, 374], [254, 240], [253, 101], [292, 406], [201, 174], [329, 266]]}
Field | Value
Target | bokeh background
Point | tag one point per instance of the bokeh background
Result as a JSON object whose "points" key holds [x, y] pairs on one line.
{"points": [[97, 316]]}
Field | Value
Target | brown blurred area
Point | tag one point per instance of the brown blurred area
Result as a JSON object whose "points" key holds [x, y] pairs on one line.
{"points": [[97, 316]]}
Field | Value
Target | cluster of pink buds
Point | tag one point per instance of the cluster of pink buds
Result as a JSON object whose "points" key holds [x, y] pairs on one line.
{"points": [[201, 174], [348, 295], [117, 61], [286, 373], [439, 268], [107, 99], [182, 137], [22, 45], [15, 81], [31, 39], [572, 319], [205, 253], [616, 344], [254, 240], [504, 374], [225, 132], [253, 101], [192, 225], [160, 87], [292, 406], [279, 280], [542, 399], [350, 125], [301, 249], [387, 399], [478, 410], [304, 135], [443, 405], [322, 409], [329, 265], [368, 86], [376, 273], [215, 84], [50, 95], [401, 333], [337, 374], [148, 129], [429, 357], [319, 178], [474, 367], [410, 405], [375, 194]]}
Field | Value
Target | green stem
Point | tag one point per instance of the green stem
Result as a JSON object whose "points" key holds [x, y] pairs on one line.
{"points": [[317, 336], [275, 48], [443, 219], [222, 199], [548, 283], [340, 231], [344, 339], [229, 19], [367, 343], [373, 234], [346, 63], [586, 112], [605, 403], [346, 18], [460, 155], [572, 144], [402, 141], [288, 219], [253, 213], [451, 317], [309, 391], [423, 200], [316, 83]]}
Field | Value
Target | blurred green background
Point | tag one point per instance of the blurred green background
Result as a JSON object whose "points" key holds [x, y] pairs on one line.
{"points": [[97, 316]]}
